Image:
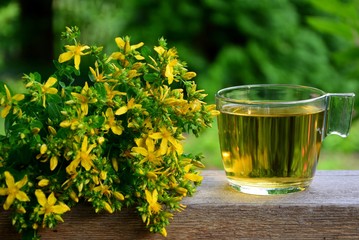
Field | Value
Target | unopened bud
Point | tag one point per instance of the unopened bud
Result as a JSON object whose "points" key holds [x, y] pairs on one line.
{"points": [[43, 182]]}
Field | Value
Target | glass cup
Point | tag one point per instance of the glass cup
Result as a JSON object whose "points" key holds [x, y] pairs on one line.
{"points": [[270, 134]]}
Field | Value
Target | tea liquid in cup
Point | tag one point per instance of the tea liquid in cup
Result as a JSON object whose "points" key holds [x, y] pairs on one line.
{"points": [[270, 135]]}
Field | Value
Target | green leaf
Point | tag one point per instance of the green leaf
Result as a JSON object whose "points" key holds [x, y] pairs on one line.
{"points": [[53, 106], [338, 8], [100, 89], [331, 26], [36, 124], [146, 53], [97, 121], [150, 77], [9, 121]]}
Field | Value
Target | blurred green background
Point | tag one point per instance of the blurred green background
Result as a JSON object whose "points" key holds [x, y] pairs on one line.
{"points": [[227, 43]]}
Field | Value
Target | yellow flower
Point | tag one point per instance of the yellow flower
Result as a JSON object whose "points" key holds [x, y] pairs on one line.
{"points": [[171, 59], [99, 77], [103, 189], [13, 190], [167, 137], [189, 75], [193, 177], [9, 102], [160, 50], [74, 51], [85, 98], [111, 122], [149, 153], [130, 105], [48, 206], [48, 89], [169, 73], [74, 122], [125, 44], [111, 93], [154, 206], [83, 156], [212, 110]]}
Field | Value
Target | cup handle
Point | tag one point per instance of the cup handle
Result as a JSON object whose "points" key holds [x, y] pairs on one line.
{"points": [[339, 113]]}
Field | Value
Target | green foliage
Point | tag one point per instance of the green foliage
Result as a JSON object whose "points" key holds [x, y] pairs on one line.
{"points": [[339, 19], [9, 13], [241, 42]]}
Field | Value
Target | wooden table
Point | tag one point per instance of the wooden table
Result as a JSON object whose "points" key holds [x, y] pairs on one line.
{"points": [[329, 209]]}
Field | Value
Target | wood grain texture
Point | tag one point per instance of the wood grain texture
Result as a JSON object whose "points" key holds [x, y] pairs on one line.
{"points": [[329, 209]]}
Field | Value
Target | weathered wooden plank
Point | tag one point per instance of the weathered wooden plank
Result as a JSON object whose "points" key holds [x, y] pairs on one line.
{"points": [[329, 209]]}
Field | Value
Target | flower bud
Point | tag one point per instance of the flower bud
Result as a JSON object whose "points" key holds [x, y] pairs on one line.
{"points": [[52, 130], [35, 130], [189, 75], [103, 175], [119, 196], [181, 191], [74, 197], [107, 207], [151, 175], [43, 182], [115, 164], [43, 148]]}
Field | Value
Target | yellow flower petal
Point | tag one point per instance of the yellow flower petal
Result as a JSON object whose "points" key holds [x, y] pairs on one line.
{"points": [[193, 177], [51, 91], [9, 179], [41, 198], [163, 232], [51, 199], [71, 168], [157, 135], [120, 42], [77, 60], [18, 97], [140, 150], [66, 56], [160, 50], [51, 81], [65, 123], [116, 130], [121, 110], [53, 162], [138, 45], [5, 111], [22, 196], [9, 200], [3, 191], [60, 209]]}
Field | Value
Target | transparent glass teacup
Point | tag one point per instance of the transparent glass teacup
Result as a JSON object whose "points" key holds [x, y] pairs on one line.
{"points": [[271, 134]]}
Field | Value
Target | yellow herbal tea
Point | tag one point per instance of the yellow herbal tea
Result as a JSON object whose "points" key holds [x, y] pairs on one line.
{"points": [[270, 148]]}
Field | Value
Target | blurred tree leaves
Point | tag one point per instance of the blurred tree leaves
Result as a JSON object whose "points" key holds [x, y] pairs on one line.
{"points": [[9, 12], [340, 19], [241, 41], [228, 42]]}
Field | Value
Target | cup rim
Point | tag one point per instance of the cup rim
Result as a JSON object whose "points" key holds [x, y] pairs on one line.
{"points": [[219, 94]]}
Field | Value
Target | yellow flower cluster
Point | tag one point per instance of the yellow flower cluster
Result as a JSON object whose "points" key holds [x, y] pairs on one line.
{"points": [[110, 134]]}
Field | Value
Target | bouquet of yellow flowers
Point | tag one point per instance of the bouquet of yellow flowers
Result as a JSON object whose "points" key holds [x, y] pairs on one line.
{"points": [[114, 141]]}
